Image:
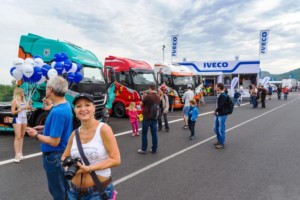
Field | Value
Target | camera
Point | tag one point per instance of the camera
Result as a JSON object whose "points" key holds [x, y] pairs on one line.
{"points": [[72, 169]]}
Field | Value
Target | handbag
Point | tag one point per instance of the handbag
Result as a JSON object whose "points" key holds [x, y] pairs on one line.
{"points": [[93, 174], [140, 116]]}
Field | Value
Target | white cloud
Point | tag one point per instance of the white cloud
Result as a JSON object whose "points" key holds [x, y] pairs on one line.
{"points": [[209, 30]]}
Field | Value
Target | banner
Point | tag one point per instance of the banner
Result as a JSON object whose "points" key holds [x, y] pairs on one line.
{"points": [[263, 41], [265, 81], [174, 44], [234, 82]]}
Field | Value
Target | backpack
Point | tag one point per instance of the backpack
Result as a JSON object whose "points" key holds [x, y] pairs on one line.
{"points": [[154, 111], [228, 106]]}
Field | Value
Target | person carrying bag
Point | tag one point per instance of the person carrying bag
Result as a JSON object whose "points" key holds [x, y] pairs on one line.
{"points": [[91, 151]]}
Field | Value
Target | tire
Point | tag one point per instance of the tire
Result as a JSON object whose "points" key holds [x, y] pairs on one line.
{"points": [[41, 119], [119, 110]]}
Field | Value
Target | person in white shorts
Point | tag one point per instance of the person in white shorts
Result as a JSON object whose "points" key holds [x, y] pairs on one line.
{"points": [[19, 107], [187, 96]]}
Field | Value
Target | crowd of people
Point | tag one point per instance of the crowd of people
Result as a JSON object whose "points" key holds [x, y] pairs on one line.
{"points": [[92, 148]]}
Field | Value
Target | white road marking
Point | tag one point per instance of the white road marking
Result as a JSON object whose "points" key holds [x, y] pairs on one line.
{"points": [[125, 178]]}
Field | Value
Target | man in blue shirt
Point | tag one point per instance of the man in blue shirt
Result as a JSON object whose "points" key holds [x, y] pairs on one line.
{"points": [[270, 91], [54, 136]]}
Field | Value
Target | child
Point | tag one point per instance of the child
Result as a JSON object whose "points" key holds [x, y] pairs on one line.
{"points": [[133, 118], [192, 116], [171, 96]]}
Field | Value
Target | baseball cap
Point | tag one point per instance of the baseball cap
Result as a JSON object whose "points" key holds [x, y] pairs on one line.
{"points": [[189, 86], [84, 96]]}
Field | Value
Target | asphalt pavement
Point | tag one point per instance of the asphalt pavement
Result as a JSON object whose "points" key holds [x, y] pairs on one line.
{"points": [[260, 161]]}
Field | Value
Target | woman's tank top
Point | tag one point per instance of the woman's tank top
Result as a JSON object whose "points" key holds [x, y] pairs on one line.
{"points": [[94, 150], [22, 113]]}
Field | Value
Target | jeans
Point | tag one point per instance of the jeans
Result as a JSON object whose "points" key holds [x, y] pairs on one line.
{"points": [[279, 95], [220, 128], [135, 126], [57, 184], [285, 96], [254, 101], [236, 101], [165, 116], [192, 127], [90, 195], [153, 128]]}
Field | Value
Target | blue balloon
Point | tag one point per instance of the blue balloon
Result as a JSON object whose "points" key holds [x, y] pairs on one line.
{"points": [[37, 74], [25, 79], [78, 77], [71, 77], [79, 67], [59, 67], [11, 70], [64, 56], [57, 57], [67, 65], [45, 69], [37, 56]]}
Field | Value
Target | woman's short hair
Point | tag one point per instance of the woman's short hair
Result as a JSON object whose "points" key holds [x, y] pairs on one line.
{"points": [[193, 101], [59, 85]]}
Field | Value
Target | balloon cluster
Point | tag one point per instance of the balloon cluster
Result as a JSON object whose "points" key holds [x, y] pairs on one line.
{"points": [[34, 70]]}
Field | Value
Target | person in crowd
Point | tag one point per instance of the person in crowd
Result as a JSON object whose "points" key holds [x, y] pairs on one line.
{"points": [[187, 96], [192, 117], [105, 116], [250, 91], [253, 96], [285, 91], [263, 94], [54, 136], [133, 118], [163, 110], [171, 97], [270, 91], [19, 106], [100, 148], [236, 97], [148, 100], [220, 117], [202, 101], [279, 91]]}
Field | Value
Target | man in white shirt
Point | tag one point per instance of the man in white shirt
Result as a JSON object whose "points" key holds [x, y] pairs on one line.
{"points": [[187, 96]]}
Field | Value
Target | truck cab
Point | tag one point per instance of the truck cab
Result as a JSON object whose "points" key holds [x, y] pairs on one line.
{"points": [[133, 78], [93, 81], [176, 77]]}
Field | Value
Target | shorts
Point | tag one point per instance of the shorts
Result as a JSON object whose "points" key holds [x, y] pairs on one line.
{"points": [[19, 120], [185, 110]]}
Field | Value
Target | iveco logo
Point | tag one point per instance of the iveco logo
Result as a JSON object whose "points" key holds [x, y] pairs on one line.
{"points": [[215, 64]]}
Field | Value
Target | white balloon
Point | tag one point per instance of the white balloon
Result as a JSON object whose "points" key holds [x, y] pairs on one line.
{"points": [[18, 63], [17, 74], [74, 68], [29, 61], [42, 80], [27, 70], [53, 64], [52, 73], [38, 62]]}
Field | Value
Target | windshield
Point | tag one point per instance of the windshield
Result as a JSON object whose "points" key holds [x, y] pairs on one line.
{"points": [[183, 80], [93, 75], [143, 78]]}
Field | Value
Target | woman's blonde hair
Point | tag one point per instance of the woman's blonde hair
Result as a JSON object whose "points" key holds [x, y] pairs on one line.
{"points": [[17, 94], [131, 106]]}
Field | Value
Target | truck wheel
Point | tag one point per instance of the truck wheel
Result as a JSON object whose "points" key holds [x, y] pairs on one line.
{"points": [[119, 110], [41, 119]]}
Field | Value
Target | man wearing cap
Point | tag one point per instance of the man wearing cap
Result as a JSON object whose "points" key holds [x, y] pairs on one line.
{"points": [[187, 96], [54, 136]]}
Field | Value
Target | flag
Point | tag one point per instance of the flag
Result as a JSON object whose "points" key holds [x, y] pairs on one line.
{"points": [[263, 41], [174, 44]]}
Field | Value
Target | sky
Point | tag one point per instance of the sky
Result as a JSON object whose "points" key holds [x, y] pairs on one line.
{"points": [[209, 30]]}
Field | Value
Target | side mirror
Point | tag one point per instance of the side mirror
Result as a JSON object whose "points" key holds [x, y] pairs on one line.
{"points": [[112, 75]]}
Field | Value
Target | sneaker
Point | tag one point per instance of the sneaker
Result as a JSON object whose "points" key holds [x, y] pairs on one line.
{"points": [[137, 134], [153, 152], [217, 143], [21, 157], [17, 159], [220, 146], [140, 151], [185, 127], [192, 137], [133, 134]]}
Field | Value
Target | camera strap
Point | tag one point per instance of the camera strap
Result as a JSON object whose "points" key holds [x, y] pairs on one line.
{"points": [[86, 161]]}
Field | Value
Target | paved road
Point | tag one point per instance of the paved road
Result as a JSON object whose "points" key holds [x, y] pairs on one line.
{"points": [[260, 162]]}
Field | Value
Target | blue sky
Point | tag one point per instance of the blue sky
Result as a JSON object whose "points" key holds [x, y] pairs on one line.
{"points": [[209, 30]]}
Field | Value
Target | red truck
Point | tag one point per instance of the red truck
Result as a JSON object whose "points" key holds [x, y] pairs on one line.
{"points": [[133, 78]]}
